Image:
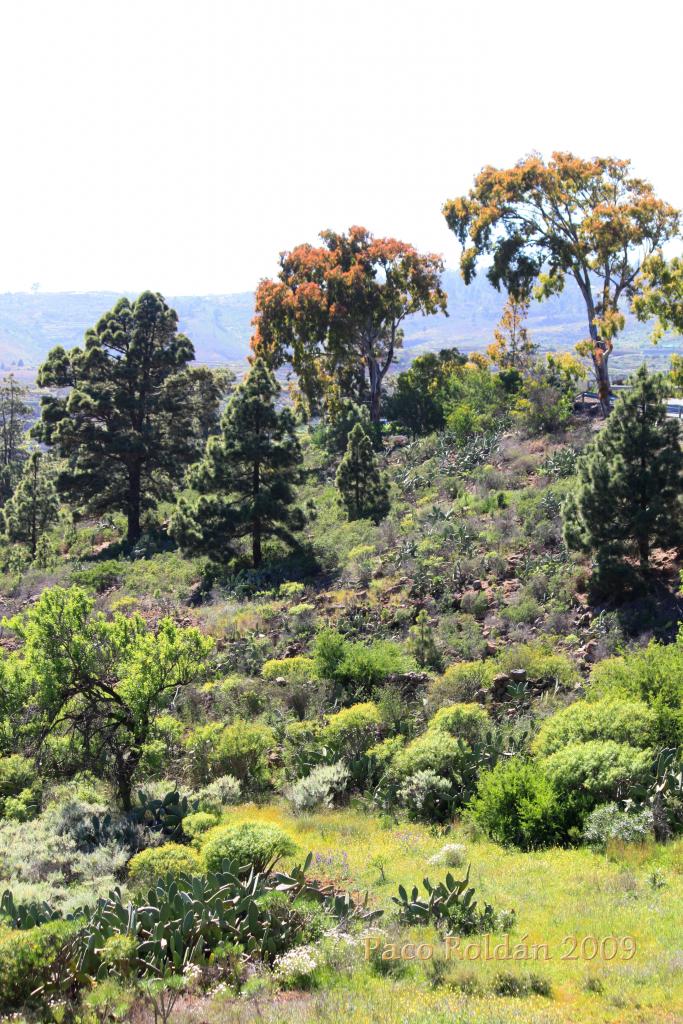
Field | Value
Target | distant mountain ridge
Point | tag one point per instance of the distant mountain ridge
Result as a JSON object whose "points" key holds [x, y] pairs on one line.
{"points": [[220, 325]]}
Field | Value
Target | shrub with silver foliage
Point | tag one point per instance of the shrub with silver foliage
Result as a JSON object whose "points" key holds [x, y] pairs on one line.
{"points": [[320, 788], [607, 822]]}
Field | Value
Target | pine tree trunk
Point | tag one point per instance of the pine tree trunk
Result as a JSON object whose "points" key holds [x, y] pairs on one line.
{"points": [[256, 554], [133, 510], [644, 553]]}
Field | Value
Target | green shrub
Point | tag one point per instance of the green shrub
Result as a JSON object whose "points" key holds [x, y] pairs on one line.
{"points": [[654, 675], [350, 732], [435, 750], [295, 670], [468, 722], [319, 788], [158, 862], [607, 823], [248, 844], [426, 796], [587, 774], [382, 754], [100, 576], [26, 958], [18, 779], [476, 603], [460, 682], [329, 649], [242, 752], [516, 805], [357, 668], [624, 721], [222, 792], [195, 825], [540, 663], [523, 612]]}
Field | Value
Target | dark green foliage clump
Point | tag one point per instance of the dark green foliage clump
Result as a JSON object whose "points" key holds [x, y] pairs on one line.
{"points": [[34, 505], [27, 958], [629, 497], [363, 488], [516, 805], [245, 480], [135, 414]]}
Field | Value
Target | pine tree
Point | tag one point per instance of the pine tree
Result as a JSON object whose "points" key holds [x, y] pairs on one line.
{"points": [[15, 417], [135, 413], [363, 488], [34, 505], [629, 496], [246, 478]]}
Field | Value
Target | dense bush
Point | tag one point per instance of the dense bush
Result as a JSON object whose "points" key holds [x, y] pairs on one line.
{"points": [[426, 796], [26, 959], [434, 750], [159, 862], [517, 805], [541, 664], [587, 774], [295, 670], [220, 793], [607, 823], [18, 779], [654, 675], [195, 825], [250, 843], [350, 732], [460, 682], [240, 750], [468, 722], [357, 668], [319, 788], [624, 721]]}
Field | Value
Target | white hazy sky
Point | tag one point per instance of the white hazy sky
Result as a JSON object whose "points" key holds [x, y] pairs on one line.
{"points": [[179, 145]]}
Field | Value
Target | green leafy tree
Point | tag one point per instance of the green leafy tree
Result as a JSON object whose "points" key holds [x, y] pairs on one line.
{"points": [[629, 495], [135, 414], [416, 402], [336, 312], [542, 223], [95, 683], [245, 480], [364, 489], [34, 505], [512, 347], [15, 417], [660, 294]]}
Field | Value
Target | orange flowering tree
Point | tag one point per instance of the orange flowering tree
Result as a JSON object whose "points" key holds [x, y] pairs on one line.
{"points": [[335, 312], [541, 223]]}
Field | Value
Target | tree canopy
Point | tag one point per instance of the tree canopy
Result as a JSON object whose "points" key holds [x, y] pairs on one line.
{"points": [[135, 415], [335, 312], [541, 223], [96, 683], [660, 294], [629, 496], [244, 482]]}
